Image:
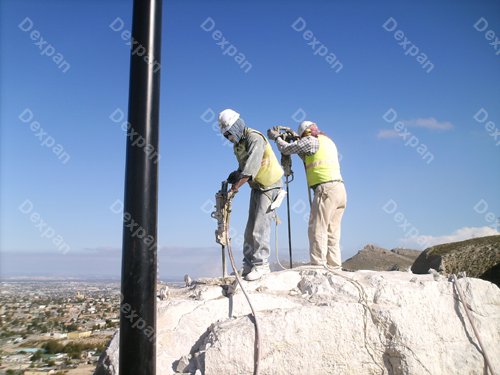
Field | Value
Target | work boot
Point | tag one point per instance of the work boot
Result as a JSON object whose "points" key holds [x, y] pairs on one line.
{"points": [[257, 272], [333, 267], [245, 270]]}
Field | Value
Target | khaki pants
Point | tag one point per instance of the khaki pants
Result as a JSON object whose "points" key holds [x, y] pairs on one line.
{"points": [[324, 223]]}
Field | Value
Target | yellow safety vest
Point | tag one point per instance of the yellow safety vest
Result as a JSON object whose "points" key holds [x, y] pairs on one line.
{"points": [[323, 166], [270, 169]]}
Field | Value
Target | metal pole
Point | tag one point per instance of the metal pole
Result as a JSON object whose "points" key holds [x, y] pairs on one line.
{"points": [[224, 262], [286, 163], [289, 225], [139, 259]]}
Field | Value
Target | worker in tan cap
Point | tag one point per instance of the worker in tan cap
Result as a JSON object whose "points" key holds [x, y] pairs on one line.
{"points": [[321, 161], [257, 165]]}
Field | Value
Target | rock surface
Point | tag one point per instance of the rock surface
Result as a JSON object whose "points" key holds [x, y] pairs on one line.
{"points": [[313, 321], [375, 258], [478, 257]]}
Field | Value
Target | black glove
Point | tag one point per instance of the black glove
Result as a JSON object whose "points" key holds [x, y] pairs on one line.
{"points": [[234, 177]]}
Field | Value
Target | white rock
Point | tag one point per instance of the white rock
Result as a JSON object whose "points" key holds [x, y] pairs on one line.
{"points": [[316, 322]]}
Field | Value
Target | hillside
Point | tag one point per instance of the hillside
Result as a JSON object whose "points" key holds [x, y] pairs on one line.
{"points": [[375, 258]]}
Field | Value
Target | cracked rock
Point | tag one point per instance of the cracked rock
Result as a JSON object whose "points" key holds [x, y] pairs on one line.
{"points": [[362, 322]]}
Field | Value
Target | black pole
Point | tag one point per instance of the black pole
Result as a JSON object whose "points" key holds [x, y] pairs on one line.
{"points": [[139, 259], [289, 225]]}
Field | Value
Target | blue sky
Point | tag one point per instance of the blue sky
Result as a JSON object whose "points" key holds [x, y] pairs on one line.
{"points": [[396, 197]]}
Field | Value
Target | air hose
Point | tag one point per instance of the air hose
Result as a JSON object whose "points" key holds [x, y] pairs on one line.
{"points": [[476, 332], [277, 221], [233, 265]]}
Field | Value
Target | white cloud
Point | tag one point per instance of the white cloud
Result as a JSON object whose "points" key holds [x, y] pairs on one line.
{"points": [[387, 133], [429, 123], [458, 235]]}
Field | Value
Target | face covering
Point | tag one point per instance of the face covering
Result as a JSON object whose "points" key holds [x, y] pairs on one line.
{"points": [[236, 131]]}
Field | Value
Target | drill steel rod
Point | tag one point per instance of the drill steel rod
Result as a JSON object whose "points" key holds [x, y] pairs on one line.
{"points": [[224, 262], [139, 253], [289, 225]]}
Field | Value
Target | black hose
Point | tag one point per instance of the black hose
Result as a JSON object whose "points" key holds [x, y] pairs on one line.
{"points": [[256, 324]]}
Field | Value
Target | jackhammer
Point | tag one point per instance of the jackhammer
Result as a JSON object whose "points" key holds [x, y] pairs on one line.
{"points": [[223, 202], [288, 135], [221, 214]]}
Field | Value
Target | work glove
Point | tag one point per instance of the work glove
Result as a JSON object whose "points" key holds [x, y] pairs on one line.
{"points": [[234, 177], [273, 133]]}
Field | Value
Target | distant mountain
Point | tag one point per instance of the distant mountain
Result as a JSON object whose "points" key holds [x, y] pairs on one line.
{"points": [[375, 258]]}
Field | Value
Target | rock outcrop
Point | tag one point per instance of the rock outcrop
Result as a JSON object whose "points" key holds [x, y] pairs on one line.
{"points": [[376, 258], [313, 321], [478, 257]]}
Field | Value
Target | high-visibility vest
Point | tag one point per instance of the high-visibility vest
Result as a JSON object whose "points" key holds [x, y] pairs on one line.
{"points": [[270, 169], [323, 166]]}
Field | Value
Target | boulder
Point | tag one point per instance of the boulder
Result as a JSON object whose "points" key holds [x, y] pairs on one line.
{"points": [[108, 361], [477, 257], [315, 321]]}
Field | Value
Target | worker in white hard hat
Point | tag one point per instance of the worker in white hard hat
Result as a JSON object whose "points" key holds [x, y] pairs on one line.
{"points": [[259, 167], [321, 162]]}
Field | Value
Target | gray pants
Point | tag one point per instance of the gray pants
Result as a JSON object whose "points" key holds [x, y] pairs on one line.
{"points": [[256, 247]]}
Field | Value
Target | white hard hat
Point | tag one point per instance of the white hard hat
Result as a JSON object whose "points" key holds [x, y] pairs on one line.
{"points": [[304, 125], [227, 118]]}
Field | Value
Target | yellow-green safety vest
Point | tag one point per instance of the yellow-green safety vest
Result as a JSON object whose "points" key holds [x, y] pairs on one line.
{"points": [[323, 166], [270, 169]]}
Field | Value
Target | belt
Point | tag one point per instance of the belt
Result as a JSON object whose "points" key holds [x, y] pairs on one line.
{"points": [[326, 182]]}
